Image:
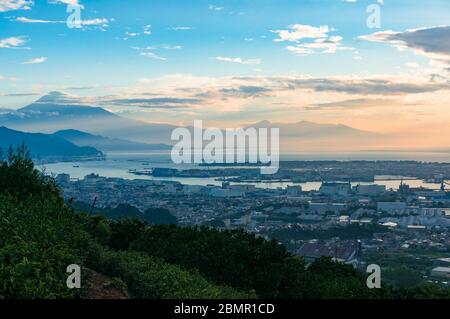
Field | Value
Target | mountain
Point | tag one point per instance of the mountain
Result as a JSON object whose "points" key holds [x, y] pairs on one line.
{"points": [[43, 146], [310, 136], [106, 144], [311, 130], [59, 111]]}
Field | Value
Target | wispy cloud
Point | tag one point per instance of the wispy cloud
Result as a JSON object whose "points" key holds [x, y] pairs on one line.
{"points": [[149, 51], [13, 42], [213, 7], [36, 60], [297, 32], [20, 94], [328, 45], [238, 60], [361, 103], [152, 55], [27, 20], [155, 103], [180, 28], [96, 22], [146, 30], [11, 5], [67, 2], [351, 92], [319, 39]]}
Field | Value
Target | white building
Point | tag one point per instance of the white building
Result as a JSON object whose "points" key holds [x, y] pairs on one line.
{"points": [[441, 272]]}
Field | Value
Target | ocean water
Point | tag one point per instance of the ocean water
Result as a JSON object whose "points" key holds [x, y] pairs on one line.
{"points": [[119, 164]]}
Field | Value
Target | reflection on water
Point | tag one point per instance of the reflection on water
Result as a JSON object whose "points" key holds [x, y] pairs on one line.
{"points": [[118, 164]]}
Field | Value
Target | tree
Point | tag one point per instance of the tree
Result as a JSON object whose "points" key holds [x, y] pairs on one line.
{"points": [[160, 216]]}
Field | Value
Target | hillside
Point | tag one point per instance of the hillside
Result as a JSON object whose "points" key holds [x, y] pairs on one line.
{"points": [[43, 146]]}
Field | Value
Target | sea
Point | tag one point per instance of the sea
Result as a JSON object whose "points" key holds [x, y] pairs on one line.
{"points": [[119, 164]]}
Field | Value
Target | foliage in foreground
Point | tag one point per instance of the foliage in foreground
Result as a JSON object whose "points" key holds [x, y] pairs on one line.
{"points": [[41, 236]]}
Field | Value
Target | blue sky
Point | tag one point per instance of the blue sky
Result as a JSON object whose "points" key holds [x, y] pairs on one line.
{"points": [[222, 31], [138, 47]]}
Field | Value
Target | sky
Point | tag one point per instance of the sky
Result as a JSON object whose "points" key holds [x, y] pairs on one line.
{"points": [[237, 61]]}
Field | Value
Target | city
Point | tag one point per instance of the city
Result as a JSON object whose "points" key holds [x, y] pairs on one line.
{"points": [[352, 224]]}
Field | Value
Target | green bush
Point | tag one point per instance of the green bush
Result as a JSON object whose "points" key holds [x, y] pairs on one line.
{"points": [[39, 240], [234, 258], [149, 278]]}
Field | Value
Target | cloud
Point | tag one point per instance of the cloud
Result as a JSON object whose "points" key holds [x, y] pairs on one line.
{"points": [[171, 47], [102, 22], [149, 51], [147, 30], [162, 46], [132, 34], [328, 45], [297, 32], [432, 42], [361, 103], [180, 28], [10, 5], [20, 94], [238, 60], [215, 8], [156, 103], [80, 88], [13, 42], [67, 2], [322, 42], [27, 20], [97, 21], [245, 91], [363, 86], [182, 97], [152, 55], [230, 95], [36, 60], [231, 92]]}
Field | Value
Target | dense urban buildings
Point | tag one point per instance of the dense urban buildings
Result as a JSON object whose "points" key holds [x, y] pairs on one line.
{"points": [[350, 224]]}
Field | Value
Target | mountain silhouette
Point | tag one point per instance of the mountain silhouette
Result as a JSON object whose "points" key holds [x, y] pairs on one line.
{"points": [[43, 145]]}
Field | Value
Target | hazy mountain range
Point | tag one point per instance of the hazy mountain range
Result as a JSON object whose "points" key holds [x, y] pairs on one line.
{"points": [[71, 119], [107, 144]]}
